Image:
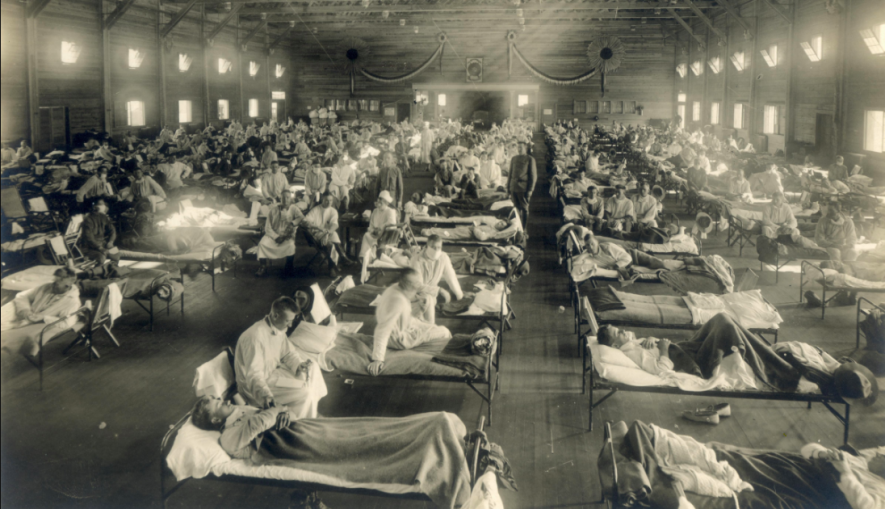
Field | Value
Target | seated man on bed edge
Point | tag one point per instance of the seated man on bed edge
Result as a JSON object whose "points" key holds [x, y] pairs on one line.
{"points": [[786, 366]]}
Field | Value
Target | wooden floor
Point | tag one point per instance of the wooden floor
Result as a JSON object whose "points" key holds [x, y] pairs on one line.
{"points": [[92, 437]]}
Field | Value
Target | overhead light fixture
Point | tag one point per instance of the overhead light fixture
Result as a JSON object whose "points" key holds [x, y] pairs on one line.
{"points": [[874, 39]]}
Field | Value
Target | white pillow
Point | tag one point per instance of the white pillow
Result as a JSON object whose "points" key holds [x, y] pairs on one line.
{"points": [[195, 452]]}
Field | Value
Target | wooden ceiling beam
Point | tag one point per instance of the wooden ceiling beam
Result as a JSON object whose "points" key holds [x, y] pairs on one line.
{"points": [[244, 43], [458, 16], [117, 14], [224, 22], [177, 19], [748, 30], [35, 7], [311, 6], [706, 20], [687, 28], [779, 10]]}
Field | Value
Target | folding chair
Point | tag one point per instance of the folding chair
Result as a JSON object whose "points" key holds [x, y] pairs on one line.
{"points": [[739, 235], [90, 319], [313, 243], [61, 252]]}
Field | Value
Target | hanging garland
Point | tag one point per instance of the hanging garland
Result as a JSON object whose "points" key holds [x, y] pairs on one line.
{"points": [[512, 49], [352, 55]]}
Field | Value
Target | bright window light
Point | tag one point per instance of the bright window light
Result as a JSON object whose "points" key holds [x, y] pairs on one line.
{"points": [[224, 66], [70, 52], [739, 60], [253, 108], [184, 62], [714, 113], [135, 58], [697, 68], [770, 119], [874, 131], [680, 98], [274, 109], [715, 64], [278, 95], [441, 99], [185, 112], [696, 111], [135, 113], [223, 109], [680, 111], [770, 55], [738, 116], [253, 68], [522, 100], [874, 39], [279, 71], [680, 69], [814, 49]]}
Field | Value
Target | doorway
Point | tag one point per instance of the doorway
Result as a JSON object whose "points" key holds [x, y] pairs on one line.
{"points": [[403, 112], [824, 135]]}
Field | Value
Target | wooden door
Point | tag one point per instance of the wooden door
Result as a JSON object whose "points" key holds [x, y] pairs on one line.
{"points": [[403, 111]]}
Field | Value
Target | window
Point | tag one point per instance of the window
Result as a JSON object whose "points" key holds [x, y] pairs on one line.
{"points": [[619, 107], [522, 100], [579, 107], [606, 107], [697, 68], [273, 111], [253, 108], [696, 111], [874, 131], [185, 112], [224, 66], [70, 52], [253, 68], [874, 38], [441, 99], [773, 119], [739, 110], [278, 95], [814, 49], [770, 55], [184, 62], [714, 113], [135, 113], [592, 106], [135, 58], [223, 109], [680, 70], [680, 111], [630, 107], [680, 98], [715, 64], [279, 71], [739, 59]]}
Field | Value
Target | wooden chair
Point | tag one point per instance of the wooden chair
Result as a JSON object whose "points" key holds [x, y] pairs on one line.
{"points": [[61, 252]]}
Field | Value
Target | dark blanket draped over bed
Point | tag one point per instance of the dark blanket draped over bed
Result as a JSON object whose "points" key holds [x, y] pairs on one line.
{"points": [[135, 285], [780, 480], [768, 249], [424, 449]]}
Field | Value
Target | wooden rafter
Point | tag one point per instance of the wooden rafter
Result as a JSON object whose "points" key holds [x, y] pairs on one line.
{"points": [[311, 6], [177, 19], [35, 7], [687, 27], [251, 35], [227, 19], [706, 20], [279, 39], [736, 15], [780, 12], [117, 14]]}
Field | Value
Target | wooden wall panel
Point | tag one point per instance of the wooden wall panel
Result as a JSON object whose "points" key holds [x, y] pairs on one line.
{"points": [[255, 87], [814, 90], [14, 115], [224, 86], [136, 30], [77, 86], [187, 85]]}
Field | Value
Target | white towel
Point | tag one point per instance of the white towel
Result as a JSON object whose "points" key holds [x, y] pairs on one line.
{"points": [[115, 302]]}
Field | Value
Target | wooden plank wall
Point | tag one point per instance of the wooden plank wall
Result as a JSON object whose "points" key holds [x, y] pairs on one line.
{"points": [[813, 85], [79, 86], [645, 76], [14, 124]]}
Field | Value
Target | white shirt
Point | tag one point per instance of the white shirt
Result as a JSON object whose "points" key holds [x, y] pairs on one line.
{"points": [[394, 316], [435, 270], [260, 350], [649, 360]]}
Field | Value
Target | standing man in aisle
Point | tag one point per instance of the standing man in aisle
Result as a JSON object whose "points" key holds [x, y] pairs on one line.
{"points": [[521, 183]]}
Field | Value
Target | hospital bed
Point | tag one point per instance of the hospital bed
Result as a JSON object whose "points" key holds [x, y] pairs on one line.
{"points": [[608, 373], [210, 257], [206, 461], [831, 281], [863, 312]]}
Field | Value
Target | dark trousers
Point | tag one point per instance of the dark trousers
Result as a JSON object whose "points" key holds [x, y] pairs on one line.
{"points": [[522, 208]]}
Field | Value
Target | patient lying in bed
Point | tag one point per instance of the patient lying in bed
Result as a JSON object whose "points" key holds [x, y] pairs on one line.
{"points": [[499, 230], [726, 352], [424, 449]]}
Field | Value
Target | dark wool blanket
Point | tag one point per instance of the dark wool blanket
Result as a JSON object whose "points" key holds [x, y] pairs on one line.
{"points": [[425, 450]]}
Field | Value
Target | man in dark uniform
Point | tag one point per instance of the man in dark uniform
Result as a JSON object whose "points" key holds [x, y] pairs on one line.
{"points": [[521, 182]]}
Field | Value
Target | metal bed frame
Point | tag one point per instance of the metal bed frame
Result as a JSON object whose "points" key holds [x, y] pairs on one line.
{"points": [[808, 266], [147, 302], [165, 471], [865, 312], [597, 382], [214, 261]]}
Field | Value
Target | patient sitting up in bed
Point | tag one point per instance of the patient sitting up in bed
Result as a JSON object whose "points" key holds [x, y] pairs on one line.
{"points": [[787, 366], [397, 328], [434, 265]]}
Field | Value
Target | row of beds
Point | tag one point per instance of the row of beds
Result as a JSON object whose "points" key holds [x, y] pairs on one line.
{"points": [[350, 356], [671, 312], [772, 474]]}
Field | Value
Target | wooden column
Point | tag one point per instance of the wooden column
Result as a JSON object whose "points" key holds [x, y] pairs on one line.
{"points": [[107, 96], [790, 128], [244, 108], [754, 108], [161, 46], [268, 74], [840, 118], [723, 104], [205, 55], [707, 72], [33, 84]]}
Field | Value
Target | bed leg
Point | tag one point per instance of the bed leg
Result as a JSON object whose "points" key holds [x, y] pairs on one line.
{"points": [[583, 369], [152, 311], [846, 423], [591, 408], [809, 405], [823, 300]]}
